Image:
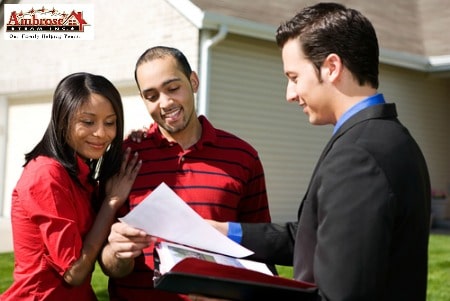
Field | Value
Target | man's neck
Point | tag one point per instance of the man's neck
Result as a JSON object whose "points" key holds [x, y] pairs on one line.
{"points": [[188, 136]]}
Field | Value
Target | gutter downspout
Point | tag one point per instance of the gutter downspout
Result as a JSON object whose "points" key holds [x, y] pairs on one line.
{"points": [[206, 44]]}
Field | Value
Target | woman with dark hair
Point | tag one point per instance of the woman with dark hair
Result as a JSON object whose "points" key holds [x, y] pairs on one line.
{"points": [[73, 182]]}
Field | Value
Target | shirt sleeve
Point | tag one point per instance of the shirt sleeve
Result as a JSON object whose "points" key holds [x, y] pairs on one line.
{"points": [[235, 232], [52, 208]]}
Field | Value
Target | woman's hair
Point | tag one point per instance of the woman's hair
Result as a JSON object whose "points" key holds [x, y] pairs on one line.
{"points": [[71, 93], [326, 28]]}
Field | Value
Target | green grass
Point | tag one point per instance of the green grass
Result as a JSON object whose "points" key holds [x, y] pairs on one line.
{"points": [[438, 272], [100, 284], [438, 268]]}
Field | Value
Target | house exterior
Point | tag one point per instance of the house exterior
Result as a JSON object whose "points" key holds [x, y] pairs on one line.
{"points": [[231, 45]]}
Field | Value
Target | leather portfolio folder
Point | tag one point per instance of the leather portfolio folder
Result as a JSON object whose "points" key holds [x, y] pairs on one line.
{"points": [[197, 276]]}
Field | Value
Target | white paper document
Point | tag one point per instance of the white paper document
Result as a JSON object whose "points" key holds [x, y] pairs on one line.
{"points": [[170, 254], [164, 214]]}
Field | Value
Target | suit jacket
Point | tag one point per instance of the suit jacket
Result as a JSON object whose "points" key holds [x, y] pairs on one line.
{"points": [[363, 224]]}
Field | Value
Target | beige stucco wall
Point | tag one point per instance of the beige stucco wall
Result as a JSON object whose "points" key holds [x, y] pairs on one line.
{"points": [[122, 32], [30, 71]]}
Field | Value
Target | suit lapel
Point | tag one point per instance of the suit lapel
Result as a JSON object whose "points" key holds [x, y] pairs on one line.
{"points": [[372, 112]]}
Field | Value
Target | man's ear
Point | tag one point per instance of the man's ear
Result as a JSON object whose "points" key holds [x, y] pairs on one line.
{"points": [[333, 66], [194, 81]]}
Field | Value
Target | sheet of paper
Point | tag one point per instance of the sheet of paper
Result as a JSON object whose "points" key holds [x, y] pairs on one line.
{"points": [[172, 253], [164, 214]]}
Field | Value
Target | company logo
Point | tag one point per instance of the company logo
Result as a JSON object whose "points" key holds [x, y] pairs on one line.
{"points": [[48, 22]]}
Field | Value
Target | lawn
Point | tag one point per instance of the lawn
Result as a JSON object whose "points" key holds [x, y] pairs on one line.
{"points": [[438, 274]]}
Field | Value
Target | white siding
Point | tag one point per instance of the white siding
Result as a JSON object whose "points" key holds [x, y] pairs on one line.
{"points": [[247, 98], [423, 105]]}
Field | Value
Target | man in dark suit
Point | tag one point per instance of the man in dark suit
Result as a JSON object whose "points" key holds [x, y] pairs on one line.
{"points": [[363, 224]]}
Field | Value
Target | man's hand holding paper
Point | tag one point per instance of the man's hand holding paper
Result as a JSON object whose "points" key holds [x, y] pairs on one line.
{"points": [[128, 241]]}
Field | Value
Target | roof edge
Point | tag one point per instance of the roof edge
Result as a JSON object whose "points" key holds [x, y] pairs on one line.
{"points": [[210, 20], [239, 26], [213, 21], [190, 11], [430, 64]]}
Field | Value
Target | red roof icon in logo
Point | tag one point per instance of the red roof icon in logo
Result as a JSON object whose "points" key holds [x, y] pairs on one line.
{"points": [[75, 18]]}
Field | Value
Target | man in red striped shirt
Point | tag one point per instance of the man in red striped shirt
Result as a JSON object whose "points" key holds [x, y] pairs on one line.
{"points": [[218, 174]]}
